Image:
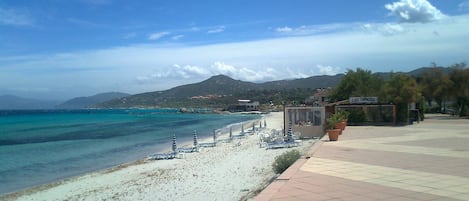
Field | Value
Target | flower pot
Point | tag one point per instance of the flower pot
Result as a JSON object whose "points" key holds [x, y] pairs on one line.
{"points": [[333, 134], [340, 125]]}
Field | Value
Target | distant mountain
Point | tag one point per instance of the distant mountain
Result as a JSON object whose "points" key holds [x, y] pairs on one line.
{"points": [[216, 85], [321, 81], [219, 86], [414, 73], [85, 102], [420, 71], [217, 90], [10, 102]]}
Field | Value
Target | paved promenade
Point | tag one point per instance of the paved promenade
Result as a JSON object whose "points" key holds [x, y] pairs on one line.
{"points": [[426, 161]]}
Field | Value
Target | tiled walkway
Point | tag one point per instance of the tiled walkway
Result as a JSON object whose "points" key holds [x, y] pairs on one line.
{"points": [[427, 161]]}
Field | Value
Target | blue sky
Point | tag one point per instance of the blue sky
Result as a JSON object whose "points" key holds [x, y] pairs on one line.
{"points": [[62, 49]]}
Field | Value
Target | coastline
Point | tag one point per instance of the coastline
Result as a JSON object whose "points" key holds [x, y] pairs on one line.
{"points": [[225, 172]]}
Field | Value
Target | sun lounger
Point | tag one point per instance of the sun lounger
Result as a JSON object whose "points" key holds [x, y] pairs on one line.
{"points": [[278, 145], [227, 140], [208, 144], [238, 136], [162, 156], [188, 149]]}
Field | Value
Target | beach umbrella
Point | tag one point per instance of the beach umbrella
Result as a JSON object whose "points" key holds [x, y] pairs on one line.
{"points": [[195, 138], [231, 132], [289, 133], [214, 136], [174, 147]]}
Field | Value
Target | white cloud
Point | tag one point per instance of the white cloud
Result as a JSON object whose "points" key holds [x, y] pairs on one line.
{"points": [[151, 67], [15, 17], [294, 73], [191, 71], [216, 30], [175, 71], [413, 11], [243, 73], [316, 29], [156, 36], [387, 29], [283, 29], [177, 37], [328, 70], [222, 68]]}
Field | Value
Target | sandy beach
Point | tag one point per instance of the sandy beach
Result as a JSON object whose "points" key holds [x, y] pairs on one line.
{"points": [[230, 171]]}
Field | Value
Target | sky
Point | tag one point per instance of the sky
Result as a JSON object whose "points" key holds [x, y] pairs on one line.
{"points": [[55, 49]]}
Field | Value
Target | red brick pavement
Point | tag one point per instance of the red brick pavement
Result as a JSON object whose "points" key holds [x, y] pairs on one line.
{"points": [[428, 161]]}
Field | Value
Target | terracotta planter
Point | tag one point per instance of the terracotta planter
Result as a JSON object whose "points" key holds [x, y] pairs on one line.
{"points": [[344, 124], [341, 126], [333, 134]]}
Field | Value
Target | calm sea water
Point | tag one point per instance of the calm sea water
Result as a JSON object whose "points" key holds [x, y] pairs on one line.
{"points": [[37, 147]]}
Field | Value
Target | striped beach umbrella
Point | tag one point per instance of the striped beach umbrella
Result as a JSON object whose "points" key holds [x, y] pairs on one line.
{"points": [[195, 138], [290, 135], [174, 147], [289, 132], [231, 132], [214, 136]]}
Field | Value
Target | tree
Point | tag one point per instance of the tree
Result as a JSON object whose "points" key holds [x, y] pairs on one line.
{"points": [[357, 83], [401, 90], [459, 75], [435, 86]]}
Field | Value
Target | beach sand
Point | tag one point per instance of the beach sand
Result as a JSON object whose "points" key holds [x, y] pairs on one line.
{"points": [[226, 172]]}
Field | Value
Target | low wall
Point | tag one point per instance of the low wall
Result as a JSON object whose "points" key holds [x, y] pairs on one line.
{"points": [[309, 131]]}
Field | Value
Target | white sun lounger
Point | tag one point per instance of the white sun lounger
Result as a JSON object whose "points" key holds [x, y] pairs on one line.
{"points": [[277, 145], [188, 149], [162, 156], [208, 144]]}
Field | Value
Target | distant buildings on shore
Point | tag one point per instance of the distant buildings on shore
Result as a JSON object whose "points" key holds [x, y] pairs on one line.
{"points": [[244, 106]]}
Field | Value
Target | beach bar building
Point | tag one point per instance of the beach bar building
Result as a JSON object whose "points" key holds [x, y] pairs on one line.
{"points": [[244, 106], [308, 122], [365, 111]]}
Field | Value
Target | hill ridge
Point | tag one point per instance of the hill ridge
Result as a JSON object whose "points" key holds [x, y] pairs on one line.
{"points": [[218, 86]]}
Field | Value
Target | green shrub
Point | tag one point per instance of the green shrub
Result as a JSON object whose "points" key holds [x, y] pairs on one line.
{"points": [[283, 161], [333, 120], [357, 116]]}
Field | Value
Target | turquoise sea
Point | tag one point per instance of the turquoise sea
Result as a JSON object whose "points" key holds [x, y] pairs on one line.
{"points": [[42, 146]]}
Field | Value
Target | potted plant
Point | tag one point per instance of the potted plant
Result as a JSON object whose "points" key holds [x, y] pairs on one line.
{"points": [[331, 130], [342, 116]]}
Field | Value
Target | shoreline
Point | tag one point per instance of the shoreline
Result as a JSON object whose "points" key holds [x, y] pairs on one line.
{"points": [[22, 173], [181, 143], [206, 169]]}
